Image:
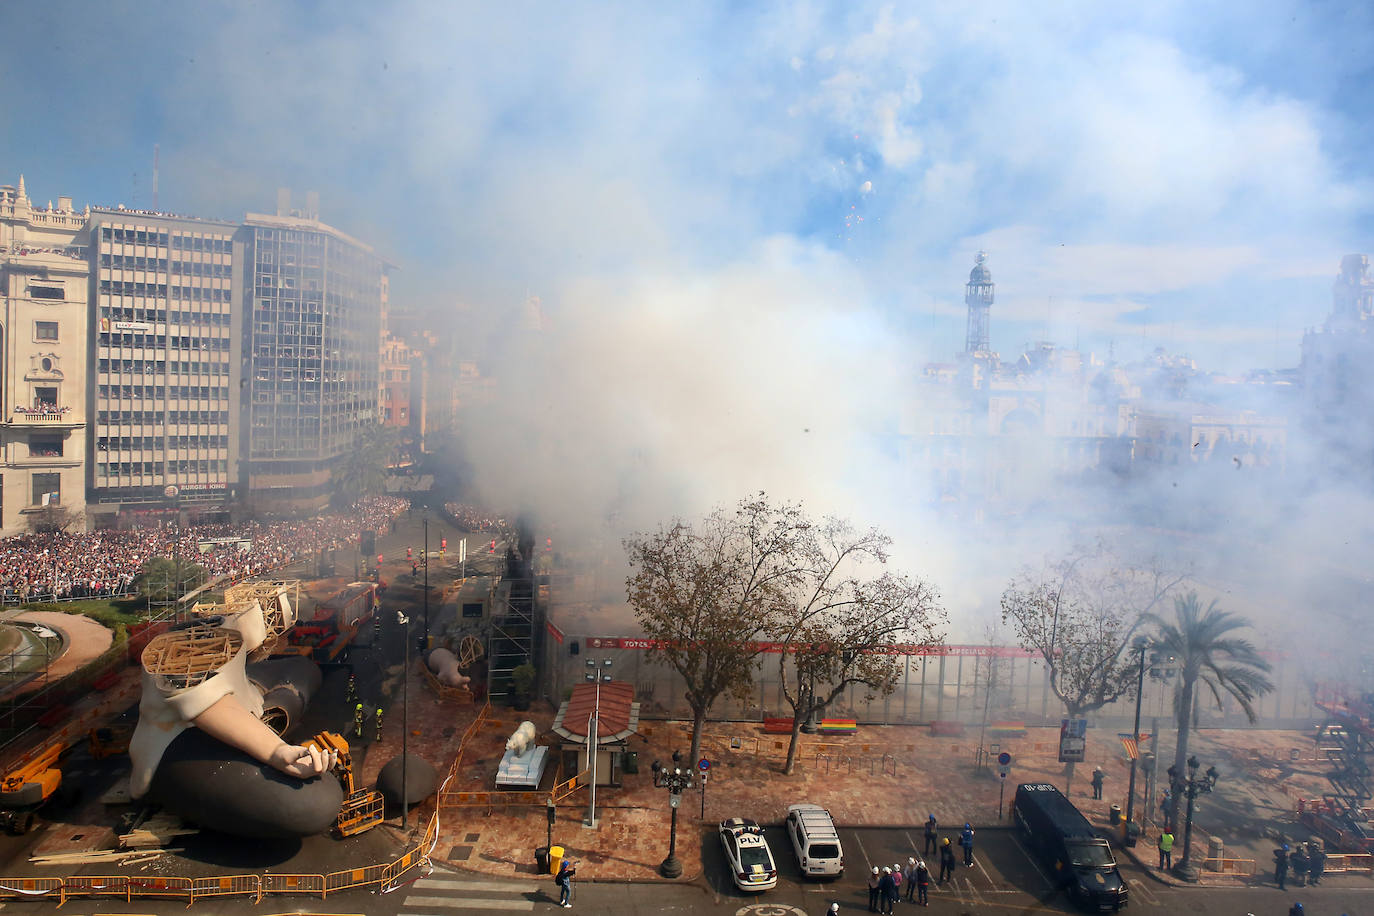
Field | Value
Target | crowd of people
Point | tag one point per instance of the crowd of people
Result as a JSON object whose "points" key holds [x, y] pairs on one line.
{"points": [[104, 563], [473, 518]]}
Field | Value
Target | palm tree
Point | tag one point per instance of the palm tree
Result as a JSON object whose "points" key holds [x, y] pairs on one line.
{"points": [[1200, 640]]}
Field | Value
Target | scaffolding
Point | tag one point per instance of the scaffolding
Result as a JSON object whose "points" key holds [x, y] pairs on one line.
{"points": [[1346, 740], [512, 634]]}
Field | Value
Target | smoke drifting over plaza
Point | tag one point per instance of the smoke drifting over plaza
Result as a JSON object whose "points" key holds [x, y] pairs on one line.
{"points": [[693, 255]]}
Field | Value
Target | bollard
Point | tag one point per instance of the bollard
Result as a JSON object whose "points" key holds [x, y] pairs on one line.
{"points": [[1216, 850]]}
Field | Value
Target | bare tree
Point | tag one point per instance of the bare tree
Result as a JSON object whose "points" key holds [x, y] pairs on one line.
{"points": [[53, 518], [706, 594], [845, 629], [1078, 614]]}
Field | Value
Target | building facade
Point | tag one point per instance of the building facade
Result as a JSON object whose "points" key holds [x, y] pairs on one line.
{"points": [[43, 291], [164, 350], [311, 354]]}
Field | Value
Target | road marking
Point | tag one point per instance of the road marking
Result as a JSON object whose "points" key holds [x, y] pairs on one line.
{"points": [[976, 897], [464, 903], [863, 852], [1139, 888], [474, 885], [1031, 859]]}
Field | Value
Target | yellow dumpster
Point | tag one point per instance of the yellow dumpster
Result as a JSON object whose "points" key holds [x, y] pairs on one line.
{"points": [[555, 859]]}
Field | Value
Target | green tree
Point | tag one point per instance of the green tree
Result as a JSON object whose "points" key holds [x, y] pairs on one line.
{"points": [[1207, 651], [843, 627], [707, 592], [157, 579], [361, 471]]}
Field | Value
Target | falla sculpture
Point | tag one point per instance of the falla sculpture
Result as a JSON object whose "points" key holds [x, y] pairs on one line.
{"points": [[203, 748]]}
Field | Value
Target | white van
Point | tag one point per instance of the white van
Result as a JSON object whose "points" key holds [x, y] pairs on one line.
{"points": [[815, 841]]}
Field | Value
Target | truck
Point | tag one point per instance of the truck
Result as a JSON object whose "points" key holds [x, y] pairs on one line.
{"points": [[1079, 860], [335, 624]]}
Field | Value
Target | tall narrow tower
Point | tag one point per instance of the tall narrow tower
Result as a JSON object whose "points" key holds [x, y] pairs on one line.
{"points": [[978, 296]]}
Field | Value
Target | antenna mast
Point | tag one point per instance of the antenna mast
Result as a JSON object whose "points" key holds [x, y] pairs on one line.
{"points": [[155, 177]]}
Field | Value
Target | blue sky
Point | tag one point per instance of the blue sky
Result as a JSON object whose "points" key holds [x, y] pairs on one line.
{"points": [[1185, 175]]}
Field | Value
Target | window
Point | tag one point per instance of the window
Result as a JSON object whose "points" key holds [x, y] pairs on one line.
{"points": [[45, 396], [49, 485], [45, 330], [47, 292], [47, 447]]}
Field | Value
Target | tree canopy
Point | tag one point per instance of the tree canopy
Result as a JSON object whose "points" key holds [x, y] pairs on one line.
{"points": [[844, 623], [1078, 613], [707, 592], [1207, 651]]}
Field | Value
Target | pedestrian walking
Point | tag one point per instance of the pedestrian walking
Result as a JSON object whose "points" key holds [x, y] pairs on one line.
{"points": [[946, 860], [358, 719], [564, 880], [897, 875], [922, 884], [966, 841], [887, 891], [932, 837], [1098, 777], [352, 695], [1316, 864], [1281, 865], [1166, 848], [379, 723], [873, 879], [909, 876], [1297, 862]]}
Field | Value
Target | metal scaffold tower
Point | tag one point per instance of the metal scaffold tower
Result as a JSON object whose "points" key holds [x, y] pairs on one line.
{"points": [[512, 635], [1346, 740]]}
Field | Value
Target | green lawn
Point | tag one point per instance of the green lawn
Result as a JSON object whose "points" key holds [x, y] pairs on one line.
{"points": [[115, 613]]}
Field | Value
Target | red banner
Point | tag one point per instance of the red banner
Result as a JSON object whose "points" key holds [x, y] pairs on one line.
{"points": [[633, 642]]}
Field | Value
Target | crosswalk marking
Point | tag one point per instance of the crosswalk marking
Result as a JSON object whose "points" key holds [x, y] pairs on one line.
{"points": [[472, 903], [459, 884], [434, 896]]}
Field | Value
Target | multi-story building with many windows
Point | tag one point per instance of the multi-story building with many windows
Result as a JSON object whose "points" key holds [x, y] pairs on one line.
{"points": [[43, 286], [164, 355], [313, 305]]}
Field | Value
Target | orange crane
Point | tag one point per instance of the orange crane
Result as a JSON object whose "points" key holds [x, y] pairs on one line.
{"points": [[362, 809], [33, 780]]}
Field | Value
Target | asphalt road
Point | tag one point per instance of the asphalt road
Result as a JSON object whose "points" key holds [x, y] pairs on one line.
{"points": [[1002, 881]]}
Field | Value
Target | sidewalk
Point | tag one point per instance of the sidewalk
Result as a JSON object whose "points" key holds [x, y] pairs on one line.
{"points": [[848, 776]]}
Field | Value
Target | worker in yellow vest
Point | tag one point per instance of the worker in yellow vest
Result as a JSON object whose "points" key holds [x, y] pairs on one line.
{"points": [[1166, 849]]}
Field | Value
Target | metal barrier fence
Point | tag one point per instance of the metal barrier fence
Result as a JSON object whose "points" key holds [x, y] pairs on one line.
{"points": [[1349, 862]]}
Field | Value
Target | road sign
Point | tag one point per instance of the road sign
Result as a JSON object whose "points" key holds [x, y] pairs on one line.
{"points": [[703, 764], [1004, 759]]}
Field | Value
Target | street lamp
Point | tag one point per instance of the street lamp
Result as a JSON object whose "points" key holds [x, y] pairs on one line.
{"points": [[1140, 645], [172, 492], [425, 643], [403, 620], [1185, 869], [597, 672], [675, 781]]}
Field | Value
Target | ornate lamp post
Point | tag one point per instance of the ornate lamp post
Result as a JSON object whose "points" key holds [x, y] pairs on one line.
{"points": [[597, 672], [1141, 644], [404, 621], [675, 781], [1194, 784]]}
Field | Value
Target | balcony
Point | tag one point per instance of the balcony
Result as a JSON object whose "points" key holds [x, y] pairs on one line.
{"points": [[44, 415]]}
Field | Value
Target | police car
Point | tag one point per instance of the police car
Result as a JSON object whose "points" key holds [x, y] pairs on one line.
{"points": [[747, 854]]}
